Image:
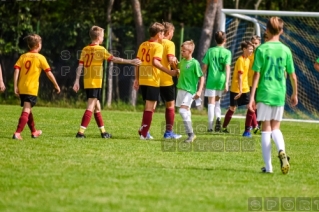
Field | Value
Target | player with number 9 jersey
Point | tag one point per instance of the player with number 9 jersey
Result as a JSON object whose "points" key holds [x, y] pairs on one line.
{"points": [[30, 65], [92, 57], [148, 74]]}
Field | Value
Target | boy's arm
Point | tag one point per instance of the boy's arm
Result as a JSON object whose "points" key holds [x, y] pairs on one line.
{"points": [[2, 86], [200, 87], [227, 67], [136, 81], [204, 69], [15, 81], [294, 85], [159, 65], [316, 66], [240, 80], [52, 79], [135, 62], [251, 105], [76, 86]]}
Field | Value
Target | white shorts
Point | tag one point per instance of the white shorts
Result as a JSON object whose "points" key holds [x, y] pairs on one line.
{"points": [[211, 93], [184, 98], [268, 113]]}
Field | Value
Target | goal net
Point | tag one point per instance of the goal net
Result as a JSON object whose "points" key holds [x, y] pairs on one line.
{"points": [[300, 35]]}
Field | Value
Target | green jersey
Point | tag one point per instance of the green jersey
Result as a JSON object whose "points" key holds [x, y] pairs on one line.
{"points": [[272, 59], [216, 59], [317, 60], [190, 72]]}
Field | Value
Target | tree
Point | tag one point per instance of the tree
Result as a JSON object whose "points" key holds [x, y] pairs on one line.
{"points": [[140, 37], [207, 31]]}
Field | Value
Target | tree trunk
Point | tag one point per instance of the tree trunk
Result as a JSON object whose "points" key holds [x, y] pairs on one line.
{"points": [[140, 37], [207, 31], [110, 70]]}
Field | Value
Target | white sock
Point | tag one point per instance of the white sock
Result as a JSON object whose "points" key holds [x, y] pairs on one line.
{"points": [[278, 139], [266, 150], [186, 116], [211, 108], [218, 111]]}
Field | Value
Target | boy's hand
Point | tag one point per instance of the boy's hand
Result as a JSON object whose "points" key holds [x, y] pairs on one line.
{"points": [[136, 84], [76, 87], [251, 106], [16, 91], [237, 96], [136, 62], [57, 88], [2, 87], [294, 100], [226, 88], [197, 95]]}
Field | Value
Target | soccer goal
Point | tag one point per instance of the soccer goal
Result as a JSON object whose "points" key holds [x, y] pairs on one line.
{"points": [[301, 35]]}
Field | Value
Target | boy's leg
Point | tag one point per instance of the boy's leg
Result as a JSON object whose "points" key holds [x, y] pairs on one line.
{"points": [[34, 133], [211, 111], [248, 121], [228, 117], [218, 114], [147, 117], [23, 120], [99, 120], [86, 118]]}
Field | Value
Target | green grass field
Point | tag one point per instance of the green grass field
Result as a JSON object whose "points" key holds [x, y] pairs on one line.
{"points": [[58, 172]]}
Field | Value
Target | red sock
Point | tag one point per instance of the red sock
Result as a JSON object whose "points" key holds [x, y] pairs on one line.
{"points": [[169, 116], [86, 118], [146, 122], [228, 117], [249, 118], [31, 122], [22, 121], [98, 119]]}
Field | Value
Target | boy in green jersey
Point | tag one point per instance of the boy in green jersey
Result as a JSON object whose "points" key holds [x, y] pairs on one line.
{"points": [[190, 74], [216, 63], [316, 65], [272, 59]]}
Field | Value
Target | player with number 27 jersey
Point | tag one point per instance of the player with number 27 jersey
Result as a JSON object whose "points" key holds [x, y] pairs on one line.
{"points": [[92, 57], [148, 74], [30, 65], [272, 59]]}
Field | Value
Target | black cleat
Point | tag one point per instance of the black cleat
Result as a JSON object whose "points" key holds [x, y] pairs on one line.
{"points": [[106, 135], [218, 125], [80, 135], [210, 130]]}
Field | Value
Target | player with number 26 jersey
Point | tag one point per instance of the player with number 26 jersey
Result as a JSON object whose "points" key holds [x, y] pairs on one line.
{"points": [[148, 74], [30, 65], [272, 59]]}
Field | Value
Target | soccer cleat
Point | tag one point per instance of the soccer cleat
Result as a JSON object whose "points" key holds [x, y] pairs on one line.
{"points": [[171, 135], [191, 138], [80, 135], [256, 129], [148, 137], [263, 170], [210, 130], [36, 134], [225, 130], [247, 134], [106, 135], [284, 162], [17, 136], [218, 125]]}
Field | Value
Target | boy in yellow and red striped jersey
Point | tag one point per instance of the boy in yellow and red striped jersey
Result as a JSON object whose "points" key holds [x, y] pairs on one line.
{"points": [[167, 87], [91, 60], [26, 83], [147, 75]]}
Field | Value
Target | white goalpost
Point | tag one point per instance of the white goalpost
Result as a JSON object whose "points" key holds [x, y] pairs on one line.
{"points": [[300, 35]]}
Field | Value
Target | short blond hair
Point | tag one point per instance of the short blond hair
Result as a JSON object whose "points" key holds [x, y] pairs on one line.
{"points": [[155, 28], [96, 32], [189, 45], [168, 27], [33, 40]]}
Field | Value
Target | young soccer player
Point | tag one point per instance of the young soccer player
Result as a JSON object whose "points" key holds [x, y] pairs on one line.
{"points": [[255, 40], [2, 86], [91, 60], [316, 65], [190, 74], [272, 59], [26, 83], [218, 60], [239, 90], [147, 75], [167, 87]]}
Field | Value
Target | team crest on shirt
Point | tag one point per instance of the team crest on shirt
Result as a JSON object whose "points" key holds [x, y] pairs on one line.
{"points": [[188, 65]]}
